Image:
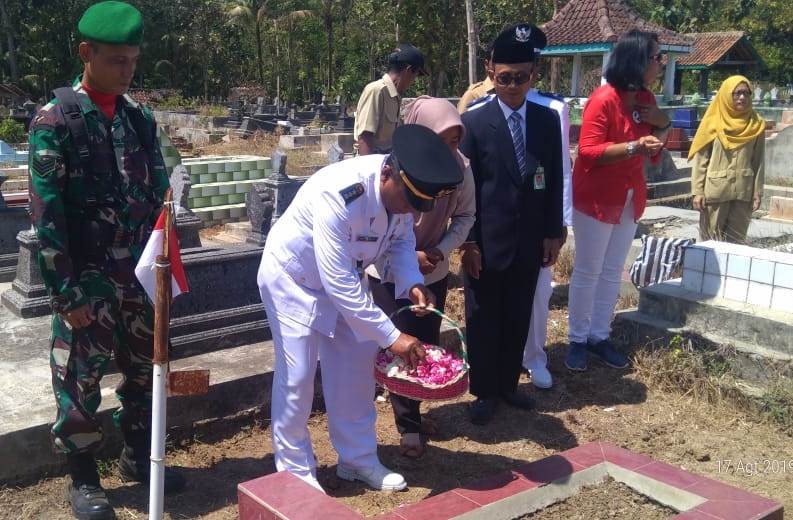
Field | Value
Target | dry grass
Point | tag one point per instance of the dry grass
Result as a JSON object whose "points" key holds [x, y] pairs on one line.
{"points": [[684, 367], [563, 268], [300, 162], [628, 301], [678, 366], [779, 181], [261, 143]]}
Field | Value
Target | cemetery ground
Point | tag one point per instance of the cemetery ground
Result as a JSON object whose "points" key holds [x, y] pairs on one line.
{"points": [[674, 404], [679, 403]]}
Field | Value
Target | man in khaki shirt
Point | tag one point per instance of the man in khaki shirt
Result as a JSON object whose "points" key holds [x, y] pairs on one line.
{"points": [[479, 89], [377, 115], [475, 91]]}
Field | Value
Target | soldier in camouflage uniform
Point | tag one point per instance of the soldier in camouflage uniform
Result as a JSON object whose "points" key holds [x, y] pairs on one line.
{"points": [[93, 217]]}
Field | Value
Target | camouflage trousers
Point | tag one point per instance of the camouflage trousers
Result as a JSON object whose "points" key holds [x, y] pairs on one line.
{"points": [[123, 325]]}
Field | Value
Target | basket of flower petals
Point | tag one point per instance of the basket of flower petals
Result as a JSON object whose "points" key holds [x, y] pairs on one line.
{"points": [[441, 376]]}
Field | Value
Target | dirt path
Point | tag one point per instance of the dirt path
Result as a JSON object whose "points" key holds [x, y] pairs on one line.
{"points": [[601, 404]]}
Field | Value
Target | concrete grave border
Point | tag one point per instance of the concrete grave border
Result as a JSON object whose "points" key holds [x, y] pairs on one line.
{"points": [[526, 488]]}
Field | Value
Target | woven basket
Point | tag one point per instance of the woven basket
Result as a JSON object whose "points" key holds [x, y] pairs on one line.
{"points": [[424, 391]]}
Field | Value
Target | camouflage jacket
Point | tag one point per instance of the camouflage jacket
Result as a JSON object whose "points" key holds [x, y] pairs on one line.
{"points": [[81, 214]]}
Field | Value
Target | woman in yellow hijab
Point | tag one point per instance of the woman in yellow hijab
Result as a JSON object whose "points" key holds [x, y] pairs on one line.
{"points": [[728, 160]]}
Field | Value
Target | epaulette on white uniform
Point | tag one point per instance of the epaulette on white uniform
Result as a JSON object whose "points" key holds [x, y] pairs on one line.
{"points": [[545, 99], [479, 103]]}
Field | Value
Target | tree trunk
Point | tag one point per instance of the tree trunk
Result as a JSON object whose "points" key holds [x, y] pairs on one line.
{"points": [[472, 39], [555, 62], [12, 49], [277, 61], [206, 81], [2, 71], [461, 60], [329, 31], [371, 55], [259, 60], [396, 20], [289, 54]]}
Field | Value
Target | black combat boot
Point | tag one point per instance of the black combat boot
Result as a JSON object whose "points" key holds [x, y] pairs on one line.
{"points": [[86, 496], [134, 465]]}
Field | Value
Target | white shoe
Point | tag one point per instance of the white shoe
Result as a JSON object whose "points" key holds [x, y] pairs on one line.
{"points": [[379, 477], [541, 378]]}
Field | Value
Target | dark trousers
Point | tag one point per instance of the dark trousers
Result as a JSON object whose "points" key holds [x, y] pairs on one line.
{"points": [[427, 329], [498, 312]]}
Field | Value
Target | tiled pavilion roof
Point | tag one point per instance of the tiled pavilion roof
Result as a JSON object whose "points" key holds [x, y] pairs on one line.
{"points": [[709, 48], [602, 21]]}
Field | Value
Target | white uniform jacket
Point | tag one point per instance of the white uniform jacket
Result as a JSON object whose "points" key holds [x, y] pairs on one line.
{"points": [[560, 107], [334, 228]]}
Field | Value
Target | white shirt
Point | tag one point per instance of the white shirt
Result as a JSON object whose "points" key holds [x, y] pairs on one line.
{"points": [[533, 96], [323, 242]]}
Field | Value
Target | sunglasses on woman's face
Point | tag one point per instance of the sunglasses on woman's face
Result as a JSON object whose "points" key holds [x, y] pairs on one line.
{"points": [[738, 94], [506, 79]]}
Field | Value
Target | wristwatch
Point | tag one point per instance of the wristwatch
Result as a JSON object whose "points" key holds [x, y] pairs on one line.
{"points": [[631, 148]]}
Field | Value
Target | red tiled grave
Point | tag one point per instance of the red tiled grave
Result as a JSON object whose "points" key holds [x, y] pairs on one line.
{"points": [[282, 496]]}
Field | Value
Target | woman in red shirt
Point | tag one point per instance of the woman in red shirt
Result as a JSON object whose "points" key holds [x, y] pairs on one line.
{"points": [[622, 127]]}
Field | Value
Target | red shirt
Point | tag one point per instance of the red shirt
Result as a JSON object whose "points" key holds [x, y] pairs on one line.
{"points": [[600, 190], [105, 102]]}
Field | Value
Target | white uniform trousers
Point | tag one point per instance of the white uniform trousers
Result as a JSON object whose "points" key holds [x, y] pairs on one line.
{"points": [[600, 252], [534, 356], [348, 387]]}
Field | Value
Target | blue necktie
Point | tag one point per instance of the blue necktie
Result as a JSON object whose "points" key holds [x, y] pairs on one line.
{"points": [[516, 128]]}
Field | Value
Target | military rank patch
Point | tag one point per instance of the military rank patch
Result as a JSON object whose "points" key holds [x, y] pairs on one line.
{"points": [[44, 165], [352, 192]]}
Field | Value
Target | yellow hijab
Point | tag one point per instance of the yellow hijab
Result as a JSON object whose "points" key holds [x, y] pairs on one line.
{"points": [[733, 128]]}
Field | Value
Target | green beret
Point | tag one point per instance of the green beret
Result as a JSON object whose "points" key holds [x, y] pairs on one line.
{"points": [[116, 23]]}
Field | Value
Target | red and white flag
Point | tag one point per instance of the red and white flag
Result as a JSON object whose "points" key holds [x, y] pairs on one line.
{"points": [[145, 270]]}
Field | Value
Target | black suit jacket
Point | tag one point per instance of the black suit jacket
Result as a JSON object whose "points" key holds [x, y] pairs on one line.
{"points": [[512, 215]]}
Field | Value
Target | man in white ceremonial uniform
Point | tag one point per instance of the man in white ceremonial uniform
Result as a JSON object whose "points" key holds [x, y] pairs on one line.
{"points": [[535, 360], [311, 280]]}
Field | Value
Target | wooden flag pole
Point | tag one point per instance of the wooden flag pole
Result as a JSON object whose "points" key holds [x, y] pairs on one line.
{"points": [[162, 308]]}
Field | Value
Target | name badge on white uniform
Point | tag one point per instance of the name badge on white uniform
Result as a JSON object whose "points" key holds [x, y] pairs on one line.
{"points": [[539, 178]]}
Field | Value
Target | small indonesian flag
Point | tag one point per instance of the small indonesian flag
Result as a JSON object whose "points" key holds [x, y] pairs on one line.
{"points": [[145, 270]]}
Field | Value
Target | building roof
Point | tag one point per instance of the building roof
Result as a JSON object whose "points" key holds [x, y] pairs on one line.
{"points": [[587, 22], [12, 90], [729, 47]]}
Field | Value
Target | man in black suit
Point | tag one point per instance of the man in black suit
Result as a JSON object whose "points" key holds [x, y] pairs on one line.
{"points": [[515, 153]]}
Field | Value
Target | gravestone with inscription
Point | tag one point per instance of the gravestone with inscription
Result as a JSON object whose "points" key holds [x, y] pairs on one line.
{"points": [[284, 187], [259, 203], [187, 223]]}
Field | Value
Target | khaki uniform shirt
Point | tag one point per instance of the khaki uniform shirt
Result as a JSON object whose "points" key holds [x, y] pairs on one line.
{"points": [[721, 175], [378, 112], [474, 92]]}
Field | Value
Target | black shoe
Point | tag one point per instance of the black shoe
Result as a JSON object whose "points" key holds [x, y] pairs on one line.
{"points": [[482, 411], [134, 465], [518, 400], [85, 494]]}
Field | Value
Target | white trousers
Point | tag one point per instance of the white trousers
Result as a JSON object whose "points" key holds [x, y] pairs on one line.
{"points": [[348, 387], [600, 252], [534, 356]]}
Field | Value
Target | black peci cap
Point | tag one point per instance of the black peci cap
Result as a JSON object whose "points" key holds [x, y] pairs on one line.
{"points": [[427, 167], [519, 43], [409, 55]]}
